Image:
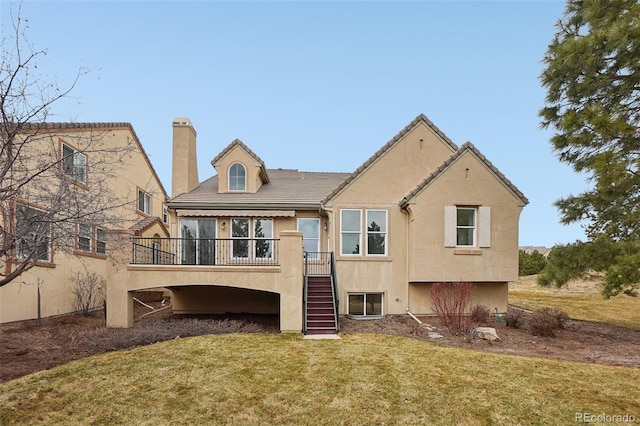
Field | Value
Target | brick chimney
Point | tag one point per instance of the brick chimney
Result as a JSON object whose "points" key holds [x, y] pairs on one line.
{"points": [[185, 165]]}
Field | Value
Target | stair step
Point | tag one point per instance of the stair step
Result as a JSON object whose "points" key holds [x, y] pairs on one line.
{"points": [[313, 310], [321, 331]]}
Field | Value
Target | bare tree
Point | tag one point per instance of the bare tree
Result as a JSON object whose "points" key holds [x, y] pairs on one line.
{"points": [[48, 198]]}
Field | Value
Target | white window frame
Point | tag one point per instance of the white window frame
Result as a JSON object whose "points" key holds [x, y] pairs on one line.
{"points": [[384, 232], [236, 179], [473, 227], [95, 239], [365, 314], [77, 169], [145, 197], [165, 213], [86, 237], [101, 242], [350, 232]]}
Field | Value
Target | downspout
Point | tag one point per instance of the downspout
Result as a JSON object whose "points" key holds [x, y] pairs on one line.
{"points": [[406, 210]]}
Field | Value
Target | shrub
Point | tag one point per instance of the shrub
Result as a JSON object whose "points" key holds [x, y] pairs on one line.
{"points": [[89, 290], [514, 318], [449, 302], [480, 314], [545, 321], [559, 316]]}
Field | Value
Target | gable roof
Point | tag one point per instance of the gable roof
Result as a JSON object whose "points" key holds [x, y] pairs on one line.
{"points": [[73, 127], [420, 119], [238, 143], [288, 189], [467, 147]]}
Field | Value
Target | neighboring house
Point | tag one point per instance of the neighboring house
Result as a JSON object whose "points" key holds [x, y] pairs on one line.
{"points": [[105, 160], [311, 246], [540, 249]]}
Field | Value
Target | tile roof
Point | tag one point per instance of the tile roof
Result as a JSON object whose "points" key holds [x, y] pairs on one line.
{"points": [[287, 189], [239, 143], [146, 223], [416, 121], [468, 146]]}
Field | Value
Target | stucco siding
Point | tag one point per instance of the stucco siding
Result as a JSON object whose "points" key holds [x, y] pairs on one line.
{"points": [[466, 183], [493, 295]]}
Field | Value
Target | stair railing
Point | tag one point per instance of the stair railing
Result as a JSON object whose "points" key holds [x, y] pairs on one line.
{"points": [[334, 285], [305, 292]]}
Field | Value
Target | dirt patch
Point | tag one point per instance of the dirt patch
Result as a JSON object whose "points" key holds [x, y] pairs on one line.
{"points": [[27, 347], [579, 341]]}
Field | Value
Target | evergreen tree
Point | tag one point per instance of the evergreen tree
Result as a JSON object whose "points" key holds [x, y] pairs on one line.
{"points": [[592, 77]]}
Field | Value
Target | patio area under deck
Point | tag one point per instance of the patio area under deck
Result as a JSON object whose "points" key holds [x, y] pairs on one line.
{"points": [[283, 277]]}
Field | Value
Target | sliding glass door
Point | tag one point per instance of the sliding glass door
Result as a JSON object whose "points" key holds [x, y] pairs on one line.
{"points": [[198, 244]]}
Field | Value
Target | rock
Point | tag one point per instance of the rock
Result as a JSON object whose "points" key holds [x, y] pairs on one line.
{"points": [[485, 333]]}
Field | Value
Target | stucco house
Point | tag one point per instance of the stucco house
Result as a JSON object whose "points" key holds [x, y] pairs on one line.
{"points": [[101, 164], [311, 246]]}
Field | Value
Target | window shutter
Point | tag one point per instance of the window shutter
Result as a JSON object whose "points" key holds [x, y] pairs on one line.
{"points": [[484, 225], [450, 220]]}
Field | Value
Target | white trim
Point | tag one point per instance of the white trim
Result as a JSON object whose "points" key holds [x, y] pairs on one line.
{"points": [[359, 232], [385, 232], [244, 169]]}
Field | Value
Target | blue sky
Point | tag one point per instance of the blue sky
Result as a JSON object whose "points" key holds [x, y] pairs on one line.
{"points": [[317, 86]]}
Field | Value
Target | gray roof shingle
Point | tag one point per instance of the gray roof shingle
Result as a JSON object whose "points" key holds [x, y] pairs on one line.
{"points": [[288, 188]]}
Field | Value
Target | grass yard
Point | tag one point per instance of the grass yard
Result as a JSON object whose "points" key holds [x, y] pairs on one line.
{"points": [[282, 379], [580, 300]]}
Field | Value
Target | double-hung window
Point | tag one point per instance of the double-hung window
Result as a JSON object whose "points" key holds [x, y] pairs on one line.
{"points": [[92, 239], [74, 164], [144, 202], [85, 234], [465, 226], [376, 232], [33, 233], [101, 241], [351, 231]]}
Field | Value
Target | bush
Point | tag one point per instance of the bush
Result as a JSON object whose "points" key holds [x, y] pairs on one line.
{"points": [[89, 290], [480, 314], [514, 318], [545, 321], [559, 316], [449, 302]]}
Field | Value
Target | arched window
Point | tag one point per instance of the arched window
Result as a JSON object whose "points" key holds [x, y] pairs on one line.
{"points": [[237, 177]]}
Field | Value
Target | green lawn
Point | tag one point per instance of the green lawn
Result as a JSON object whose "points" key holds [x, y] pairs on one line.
{"points": [[259, 379]]}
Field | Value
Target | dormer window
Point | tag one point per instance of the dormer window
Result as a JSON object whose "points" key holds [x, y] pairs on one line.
{"points": [[237, 177]]}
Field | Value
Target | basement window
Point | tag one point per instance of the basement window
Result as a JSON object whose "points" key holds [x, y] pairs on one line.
{"points": [[365, 305]]}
